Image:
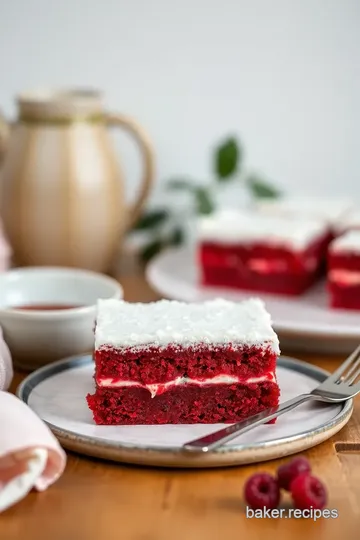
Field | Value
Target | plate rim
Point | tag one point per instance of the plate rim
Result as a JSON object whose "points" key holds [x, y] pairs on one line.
{"points": [[302, 331], [30, 382]]}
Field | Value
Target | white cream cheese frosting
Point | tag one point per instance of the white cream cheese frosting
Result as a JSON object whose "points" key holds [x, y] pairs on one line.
{"points": [[348, 242], [121, 324], [232, 226]]}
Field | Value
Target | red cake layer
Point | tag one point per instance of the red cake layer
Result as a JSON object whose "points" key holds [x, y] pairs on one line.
{"points": [[190, 404], [344, 297], [260, 267], [344, 280], [344, 261], [275, 283], [156, 365]]}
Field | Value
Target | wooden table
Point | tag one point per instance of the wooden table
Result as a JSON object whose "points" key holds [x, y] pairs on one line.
{"points": [[105, 501]]}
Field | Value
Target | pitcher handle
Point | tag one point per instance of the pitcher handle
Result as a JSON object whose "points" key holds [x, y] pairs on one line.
{"points": [[4, 133], [148, 158]]}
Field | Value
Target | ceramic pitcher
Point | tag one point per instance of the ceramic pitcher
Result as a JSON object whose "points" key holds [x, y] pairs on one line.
{"points": [[62, 196]]}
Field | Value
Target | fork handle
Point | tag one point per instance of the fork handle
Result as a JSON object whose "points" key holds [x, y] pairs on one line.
{"points": [[218, 438]]}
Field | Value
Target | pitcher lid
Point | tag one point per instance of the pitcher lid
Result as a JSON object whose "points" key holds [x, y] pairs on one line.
{"points": [[45, 104]]}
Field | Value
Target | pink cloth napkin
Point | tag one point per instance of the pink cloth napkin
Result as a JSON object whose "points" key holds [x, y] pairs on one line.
{"points": [[30, 455], [5, 251], [6, 368]]}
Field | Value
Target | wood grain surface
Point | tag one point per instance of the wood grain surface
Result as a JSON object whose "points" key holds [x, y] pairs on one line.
{"points": [[105, 501]]}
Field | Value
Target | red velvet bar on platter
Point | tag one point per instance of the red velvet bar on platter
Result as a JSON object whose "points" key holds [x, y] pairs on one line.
{"points": [[344, 271], [254, 252]]}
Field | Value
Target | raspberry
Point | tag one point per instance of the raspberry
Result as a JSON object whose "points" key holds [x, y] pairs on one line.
{"points": [[308, 491], [262, 490], [289, 471]]}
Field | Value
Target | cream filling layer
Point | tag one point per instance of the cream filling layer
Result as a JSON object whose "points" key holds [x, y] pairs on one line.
{"points": [[160, 388], [344, 277]]}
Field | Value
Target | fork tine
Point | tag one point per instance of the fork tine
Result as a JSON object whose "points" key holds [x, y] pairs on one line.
{"points": [[350, 374], [355, 388], [354, 376], [344, 366]]}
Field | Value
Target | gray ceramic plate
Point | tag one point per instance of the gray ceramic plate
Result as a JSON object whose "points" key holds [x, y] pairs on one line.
{"points": [[57, 394]]}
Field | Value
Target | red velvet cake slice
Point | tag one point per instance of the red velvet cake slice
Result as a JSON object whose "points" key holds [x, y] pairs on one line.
{"points": [[261, 253], [344, 271], [170, 362]]}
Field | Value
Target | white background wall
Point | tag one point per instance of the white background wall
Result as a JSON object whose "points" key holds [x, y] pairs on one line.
{"points": [[282, 74]]}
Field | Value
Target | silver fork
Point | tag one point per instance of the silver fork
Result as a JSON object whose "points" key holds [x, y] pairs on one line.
{"points": [[339, 386]]}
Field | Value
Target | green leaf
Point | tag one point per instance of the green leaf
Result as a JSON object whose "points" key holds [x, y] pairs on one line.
{"points": [[179, 183], [150, 250], [151, 219], [204, 203], [227, 159], [176, 237], [261, 189]]}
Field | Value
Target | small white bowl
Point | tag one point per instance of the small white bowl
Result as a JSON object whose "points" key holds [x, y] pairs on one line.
{"points": [[36, 337]]}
